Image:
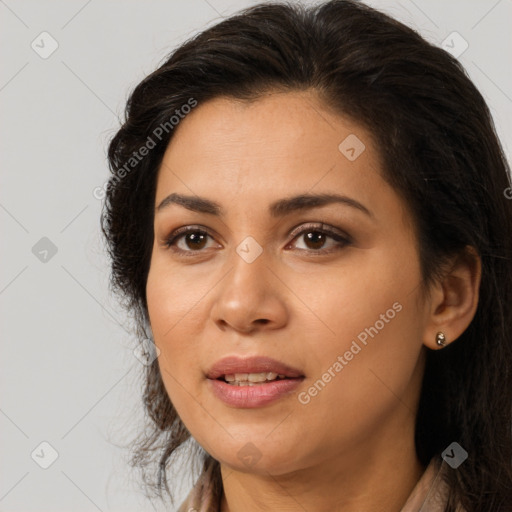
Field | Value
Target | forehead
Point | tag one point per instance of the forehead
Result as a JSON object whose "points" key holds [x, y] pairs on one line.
{"points": [[282, 142]]}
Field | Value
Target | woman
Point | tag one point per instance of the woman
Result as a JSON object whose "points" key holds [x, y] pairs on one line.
{"points": [[308, 216]]}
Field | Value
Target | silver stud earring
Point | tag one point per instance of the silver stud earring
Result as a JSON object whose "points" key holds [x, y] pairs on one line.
{"points": [[441, 339]]}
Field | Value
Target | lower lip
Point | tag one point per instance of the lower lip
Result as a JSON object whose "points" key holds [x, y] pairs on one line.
{"points": [[253, 396]]}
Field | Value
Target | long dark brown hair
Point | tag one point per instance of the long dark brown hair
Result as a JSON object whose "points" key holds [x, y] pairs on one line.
{"points": [[440, 152]]}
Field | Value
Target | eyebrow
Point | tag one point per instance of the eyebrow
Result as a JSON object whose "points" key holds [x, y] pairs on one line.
{"points": [[279, 208]]}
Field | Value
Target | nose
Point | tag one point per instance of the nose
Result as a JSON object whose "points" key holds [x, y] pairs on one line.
{"points": [[250, 297]]}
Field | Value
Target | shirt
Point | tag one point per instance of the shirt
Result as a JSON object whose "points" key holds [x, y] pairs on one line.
{"points": [[429, 494]]}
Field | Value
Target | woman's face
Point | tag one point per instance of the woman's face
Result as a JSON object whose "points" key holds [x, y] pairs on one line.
{"points": [[330, 290]]}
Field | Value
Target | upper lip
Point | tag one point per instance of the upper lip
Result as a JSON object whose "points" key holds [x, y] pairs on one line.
{"points": [[256, 364]]}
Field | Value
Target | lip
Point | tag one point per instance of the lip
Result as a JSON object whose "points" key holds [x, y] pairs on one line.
{"points": [[249, 397], [257, 395]]}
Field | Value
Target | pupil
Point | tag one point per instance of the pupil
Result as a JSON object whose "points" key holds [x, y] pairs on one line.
{"points": [[197, 239], [316, 238]]}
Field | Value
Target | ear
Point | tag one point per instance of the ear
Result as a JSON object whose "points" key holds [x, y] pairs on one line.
{"points": [[454, 299]]}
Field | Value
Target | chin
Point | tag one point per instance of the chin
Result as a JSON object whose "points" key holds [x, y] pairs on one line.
{"points": [[257, 455]]}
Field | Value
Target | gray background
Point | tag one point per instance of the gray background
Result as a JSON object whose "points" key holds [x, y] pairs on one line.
{"points": [[68, 373]]}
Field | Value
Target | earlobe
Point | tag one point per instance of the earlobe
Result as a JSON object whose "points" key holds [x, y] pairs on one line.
{"points": [[454, 302]]}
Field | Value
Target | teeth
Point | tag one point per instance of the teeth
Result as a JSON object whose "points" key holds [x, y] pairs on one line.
{"points": [[257, 377], [250, 379]]}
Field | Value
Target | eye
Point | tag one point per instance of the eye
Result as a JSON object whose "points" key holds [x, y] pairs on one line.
{"points": [[189, 239], [315, 237]]}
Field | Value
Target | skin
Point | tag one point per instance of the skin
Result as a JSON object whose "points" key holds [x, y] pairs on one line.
{"points": [[351, 447]]}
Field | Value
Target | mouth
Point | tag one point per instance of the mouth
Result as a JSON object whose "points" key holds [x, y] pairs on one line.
{"points": [[256, 369], [252, 382]]}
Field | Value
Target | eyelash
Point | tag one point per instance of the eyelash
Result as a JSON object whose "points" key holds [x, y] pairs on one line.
{"points": [[343, 240]]}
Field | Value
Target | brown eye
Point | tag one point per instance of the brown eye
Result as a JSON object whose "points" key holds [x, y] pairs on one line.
{"points": [[316, 237], [195, 240], [188, 240]]}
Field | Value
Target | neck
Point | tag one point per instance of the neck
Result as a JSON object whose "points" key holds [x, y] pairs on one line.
{"points": [[374, 477]]}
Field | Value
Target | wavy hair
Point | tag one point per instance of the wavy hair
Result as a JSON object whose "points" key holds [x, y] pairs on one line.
{"points": [[440, 152]]}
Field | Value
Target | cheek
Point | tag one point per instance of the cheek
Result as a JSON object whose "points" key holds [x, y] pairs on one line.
{"points": [[173, 307], [357, 386], [366, 347], [170, 294], [367, 299], [176, 298]]}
